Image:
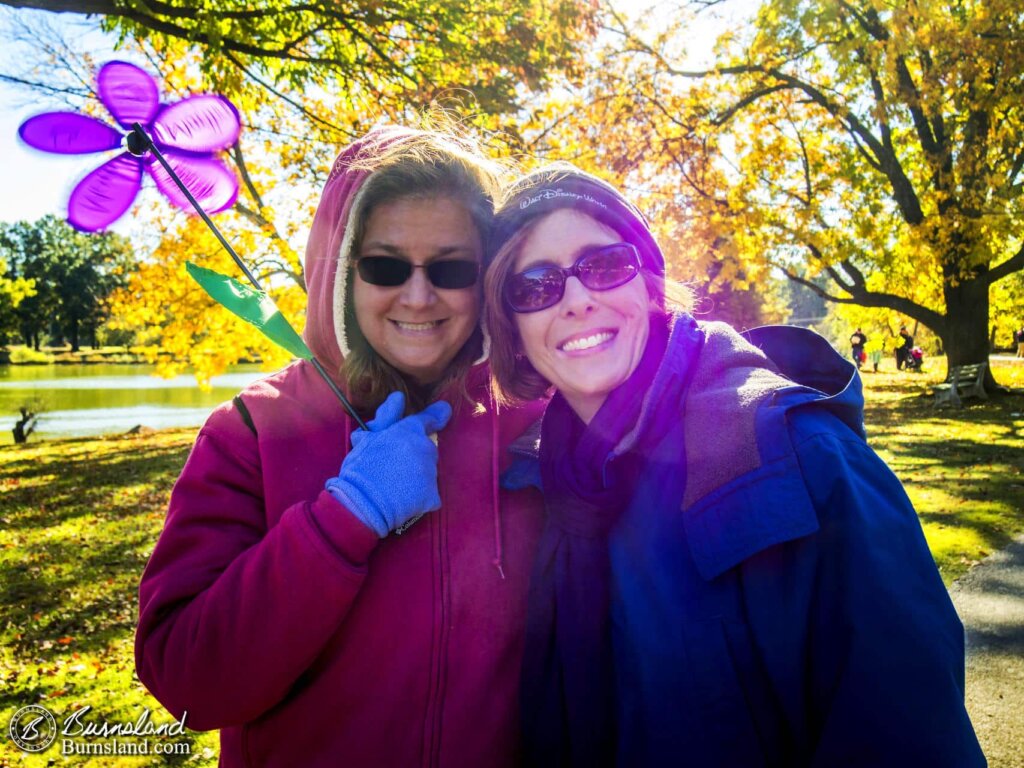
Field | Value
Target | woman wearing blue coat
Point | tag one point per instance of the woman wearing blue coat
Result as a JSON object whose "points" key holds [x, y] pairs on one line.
{"points": [[729, 575]]}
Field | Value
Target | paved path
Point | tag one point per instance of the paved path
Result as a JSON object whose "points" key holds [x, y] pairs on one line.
{"points": [[990, 601]]}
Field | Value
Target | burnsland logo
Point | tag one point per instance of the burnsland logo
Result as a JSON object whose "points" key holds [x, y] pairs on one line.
{"points": [[34, 729], [75, 724]]}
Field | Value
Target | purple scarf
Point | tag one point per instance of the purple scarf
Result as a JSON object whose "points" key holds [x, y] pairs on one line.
{"points": [[568, 674]]}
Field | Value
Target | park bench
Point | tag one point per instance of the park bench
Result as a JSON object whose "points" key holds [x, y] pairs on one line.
{"points": [[964, 381]]}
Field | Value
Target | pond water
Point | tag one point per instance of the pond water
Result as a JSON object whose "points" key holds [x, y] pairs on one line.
{"points": [[78, 400]]}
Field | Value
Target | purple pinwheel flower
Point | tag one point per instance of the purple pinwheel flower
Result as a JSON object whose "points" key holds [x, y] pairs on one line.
{"points": [[188, 133]]}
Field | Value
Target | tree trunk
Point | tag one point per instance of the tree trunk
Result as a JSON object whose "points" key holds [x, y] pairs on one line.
{"points": [[73, 334], [24, 426], [966, 339]]}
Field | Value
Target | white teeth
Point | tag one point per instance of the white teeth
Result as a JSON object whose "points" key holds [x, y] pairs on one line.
{"points": [[587, 342], [417, 326]]}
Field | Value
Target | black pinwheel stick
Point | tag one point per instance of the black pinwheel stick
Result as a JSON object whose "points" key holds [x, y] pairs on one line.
{"points": [[138, 143]]}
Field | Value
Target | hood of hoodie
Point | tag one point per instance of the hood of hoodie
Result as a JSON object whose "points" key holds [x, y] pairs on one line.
{"points": [[741, 386], [330, 234], [327, 267]]}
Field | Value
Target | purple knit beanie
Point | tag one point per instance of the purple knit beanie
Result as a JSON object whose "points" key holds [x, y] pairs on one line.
{"points": [[562, 185]]}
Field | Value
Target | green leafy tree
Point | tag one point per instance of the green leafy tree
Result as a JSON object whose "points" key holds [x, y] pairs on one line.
{"points": [[73, 274]]}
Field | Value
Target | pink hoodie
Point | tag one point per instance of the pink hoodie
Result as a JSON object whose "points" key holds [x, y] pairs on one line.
{"points": [[269, 611]]}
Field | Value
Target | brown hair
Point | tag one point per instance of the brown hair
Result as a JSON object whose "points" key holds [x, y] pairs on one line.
{"points": [[513, 377], [427, 165]]}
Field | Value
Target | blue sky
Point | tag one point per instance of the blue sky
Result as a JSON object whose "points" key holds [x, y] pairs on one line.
{"points": [[36, 183]]}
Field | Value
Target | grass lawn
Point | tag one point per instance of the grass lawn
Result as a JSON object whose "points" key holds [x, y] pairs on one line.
{"points": [[964, 470], [79, 517]]}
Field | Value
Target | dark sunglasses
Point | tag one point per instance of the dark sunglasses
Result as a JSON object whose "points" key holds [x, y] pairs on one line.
{"points": [[388, 272], [599, 269]]}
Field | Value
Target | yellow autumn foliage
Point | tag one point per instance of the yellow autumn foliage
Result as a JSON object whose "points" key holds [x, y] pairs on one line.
{"points": [[177, 326], [872, 148]]}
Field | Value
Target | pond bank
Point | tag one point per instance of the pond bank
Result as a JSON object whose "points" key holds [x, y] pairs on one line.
{"points": [[17, 355], [85, 399], [21, 355]]}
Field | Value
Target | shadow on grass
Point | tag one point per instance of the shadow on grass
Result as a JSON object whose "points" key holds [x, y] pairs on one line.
{"points": [[79, 482], [989, 526], [57, 592], [78, 520], [80, 517]]}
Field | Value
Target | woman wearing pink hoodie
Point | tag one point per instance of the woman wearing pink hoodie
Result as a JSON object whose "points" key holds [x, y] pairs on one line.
{"points": [[296, 599]]}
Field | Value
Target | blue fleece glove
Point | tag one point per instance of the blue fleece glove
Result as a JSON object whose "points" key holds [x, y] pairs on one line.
{"points": [[390, 475]]}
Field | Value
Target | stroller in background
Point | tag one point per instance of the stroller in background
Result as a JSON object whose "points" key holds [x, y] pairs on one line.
{"points": [[914, 359]]}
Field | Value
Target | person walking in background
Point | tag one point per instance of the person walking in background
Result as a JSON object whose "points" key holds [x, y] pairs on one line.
{"points": [[874, 349], [1018, 336], [857, 342], [875, 356], [903, 350]]}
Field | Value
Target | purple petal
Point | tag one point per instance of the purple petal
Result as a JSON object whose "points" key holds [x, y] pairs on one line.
{"points": [[206, 123], [106, 193], [130, 93], [68, 133], [209, 181]]}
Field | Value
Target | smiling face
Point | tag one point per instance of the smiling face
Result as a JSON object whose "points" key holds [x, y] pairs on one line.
{"points": [[416, 327], [591, 341]]}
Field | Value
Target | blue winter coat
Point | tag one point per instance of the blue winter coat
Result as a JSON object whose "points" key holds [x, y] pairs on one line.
{"points": [[774, 600]]}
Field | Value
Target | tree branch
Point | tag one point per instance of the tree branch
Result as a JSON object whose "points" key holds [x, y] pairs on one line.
{"points": [[904, 306], [747, 100], [864, 152], [104, 7], [303, 110], [1013, 264], [236, 155], [903, 190], [191, 12], [853, 273], [871, 23], [44, 87]]}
